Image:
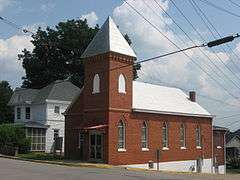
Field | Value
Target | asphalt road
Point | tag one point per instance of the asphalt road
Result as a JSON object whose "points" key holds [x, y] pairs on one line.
{"points": [[21, 170]]}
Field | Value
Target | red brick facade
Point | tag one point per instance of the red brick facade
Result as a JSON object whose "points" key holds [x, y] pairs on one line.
{"points": [[219, 147], [109, 107]]}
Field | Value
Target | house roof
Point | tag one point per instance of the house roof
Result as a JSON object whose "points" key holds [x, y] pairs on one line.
{"points": [[219, 128], [164, 100], [231, 135], [58, 90], [108, 39]]}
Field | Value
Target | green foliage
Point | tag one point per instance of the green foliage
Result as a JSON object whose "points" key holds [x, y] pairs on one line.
{"points": [[40, 156], [234, 162], [56, 54], [14, 136], [6, 112]]}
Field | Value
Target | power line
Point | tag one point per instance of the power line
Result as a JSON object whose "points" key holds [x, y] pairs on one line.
{"points": [[234, 3], [212, 62], [231, 116], [156, 28], [220, 8], [196, 7]]}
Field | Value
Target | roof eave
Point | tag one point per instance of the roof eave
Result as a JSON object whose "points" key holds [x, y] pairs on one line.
{"points": [[172, 113]]}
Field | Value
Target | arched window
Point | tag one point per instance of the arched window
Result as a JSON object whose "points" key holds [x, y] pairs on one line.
{"points": [[182, 136], [144, 138], [121, 135], [165, 135], [198, 136], [121, 84], [96, 84]]}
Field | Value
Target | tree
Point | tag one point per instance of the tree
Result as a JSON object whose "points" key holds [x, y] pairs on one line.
{"points": [[56, 54], [6, 112]]}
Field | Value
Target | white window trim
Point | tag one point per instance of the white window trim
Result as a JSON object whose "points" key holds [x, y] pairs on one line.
{"points": [[121, 87], [95, 86], [122, 150], [219, 147], [146, 126], [145, 149], [124, 136], [184, 147], [165, 148], [198, 147]]}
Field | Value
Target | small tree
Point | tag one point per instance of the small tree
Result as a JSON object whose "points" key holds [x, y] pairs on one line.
{"points": [[12, 135]]}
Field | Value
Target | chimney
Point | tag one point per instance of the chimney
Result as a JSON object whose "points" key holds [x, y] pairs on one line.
{"points": [[192, 96]]}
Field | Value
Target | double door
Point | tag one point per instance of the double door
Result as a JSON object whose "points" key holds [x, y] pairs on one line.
{"points": [[96, 146]]}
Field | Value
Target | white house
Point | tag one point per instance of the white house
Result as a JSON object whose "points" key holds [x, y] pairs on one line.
{"points": [[40, 111]]}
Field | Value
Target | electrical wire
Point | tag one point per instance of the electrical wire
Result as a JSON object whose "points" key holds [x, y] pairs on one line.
{"points": [[220, 8], [156, 28], [211, 61], [197, 8], [234, 3]]}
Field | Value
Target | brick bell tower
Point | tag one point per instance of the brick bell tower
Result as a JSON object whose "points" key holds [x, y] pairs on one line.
{"points": [[108, 70]]}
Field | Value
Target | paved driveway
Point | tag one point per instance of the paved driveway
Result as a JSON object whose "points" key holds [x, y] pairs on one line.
{"points": [[20, 170]]}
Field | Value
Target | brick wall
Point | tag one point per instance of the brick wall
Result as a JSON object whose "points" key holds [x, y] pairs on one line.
{"points": [[219, 146]]}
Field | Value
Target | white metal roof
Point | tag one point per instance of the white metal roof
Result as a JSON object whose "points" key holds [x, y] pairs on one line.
{"points": [[164, 100], [108, 38]]}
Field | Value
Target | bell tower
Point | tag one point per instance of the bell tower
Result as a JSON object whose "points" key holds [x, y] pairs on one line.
{"points": [[108, 70]]}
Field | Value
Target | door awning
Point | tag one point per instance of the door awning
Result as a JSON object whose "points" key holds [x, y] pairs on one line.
{"points": [[101, 126]]}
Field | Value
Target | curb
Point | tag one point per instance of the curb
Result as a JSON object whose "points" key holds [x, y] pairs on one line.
{"points": [[102, 166]]}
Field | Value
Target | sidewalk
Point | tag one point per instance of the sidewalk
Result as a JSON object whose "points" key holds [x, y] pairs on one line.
{"points": [[73, 163]]}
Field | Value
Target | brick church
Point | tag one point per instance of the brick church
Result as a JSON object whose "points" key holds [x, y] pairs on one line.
{"points": [[119, 121]]}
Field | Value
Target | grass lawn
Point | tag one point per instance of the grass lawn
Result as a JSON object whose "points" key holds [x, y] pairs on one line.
{"points": [[40, 156], [233, 171]]}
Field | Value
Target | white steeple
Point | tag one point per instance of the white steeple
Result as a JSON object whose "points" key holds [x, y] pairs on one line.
{"points": [[108, 39]]}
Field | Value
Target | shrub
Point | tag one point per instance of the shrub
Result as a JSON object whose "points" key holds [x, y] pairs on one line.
{"points": [[13, 136], [234, 162]]}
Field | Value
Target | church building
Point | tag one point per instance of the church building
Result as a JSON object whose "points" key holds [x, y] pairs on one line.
{"points": [[119, 121]]}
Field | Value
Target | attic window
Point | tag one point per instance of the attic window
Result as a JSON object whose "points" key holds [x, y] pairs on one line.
{"points": [[57, 109], [121, 84], [96, 84]]}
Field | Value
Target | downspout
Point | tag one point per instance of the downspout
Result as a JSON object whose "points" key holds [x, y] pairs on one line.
{"points": [[225, 167]]}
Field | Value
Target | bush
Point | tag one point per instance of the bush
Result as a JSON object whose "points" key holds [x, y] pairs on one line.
{"points": [[40, 156], [234, 162], [12, 135]]}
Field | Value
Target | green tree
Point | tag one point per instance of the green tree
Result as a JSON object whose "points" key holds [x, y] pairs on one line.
{"points": [[6, 112], [56, 54]]}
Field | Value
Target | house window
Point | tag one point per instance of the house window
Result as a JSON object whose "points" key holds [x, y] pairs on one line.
{"points": [[57, 109], [182, 136], [80, 140], [144, 138], [38, 138], [217, 141], [96, 84], [121, 135], [27, 112], [18, 113], [165, 135], [198, 136], [121, 84], [55, 134]]}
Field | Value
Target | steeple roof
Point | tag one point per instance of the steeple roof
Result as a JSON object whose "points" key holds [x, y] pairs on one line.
{"points": [[108, 38]]}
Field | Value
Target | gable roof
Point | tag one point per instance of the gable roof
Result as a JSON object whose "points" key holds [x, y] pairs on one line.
{"points": [[108, 38], [231, 135], [58, 90], [164, 100]]}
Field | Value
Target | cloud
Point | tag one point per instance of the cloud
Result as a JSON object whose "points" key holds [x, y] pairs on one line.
{"points": [[91, 18], [176, 70], [4, 4], [47, 7], [10, 68]]}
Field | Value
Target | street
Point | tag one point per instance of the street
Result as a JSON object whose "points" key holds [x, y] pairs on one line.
{"points": [[21, 170]]}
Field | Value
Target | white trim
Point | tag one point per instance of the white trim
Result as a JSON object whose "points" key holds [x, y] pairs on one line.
{"points": [[165, 148], [171, 113], [183, 148], [57, 101], [219, 147], [145, 149], [121, 150], [198, 147]]}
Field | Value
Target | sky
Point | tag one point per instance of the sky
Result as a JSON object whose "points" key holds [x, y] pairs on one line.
{"points": [[213, 73]]}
